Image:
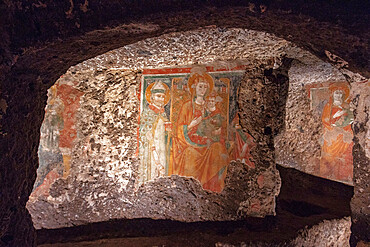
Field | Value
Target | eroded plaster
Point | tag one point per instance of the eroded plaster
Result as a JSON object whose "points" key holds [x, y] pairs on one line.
{"points": [[100, 159]]}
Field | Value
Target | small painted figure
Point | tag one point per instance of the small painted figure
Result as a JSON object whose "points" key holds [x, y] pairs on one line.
{"points": [[154, 128], [336, 152], [211, 126]]}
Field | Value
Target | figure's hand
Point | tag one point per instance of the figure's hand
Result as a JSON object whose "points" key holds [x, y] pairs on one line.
{"points": [[338, 114], [195, 122]]}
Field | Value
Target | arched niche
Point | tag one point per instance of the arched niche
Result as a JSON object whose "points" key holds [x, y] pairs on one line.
{"points": [[34, 58], [90, 158]]}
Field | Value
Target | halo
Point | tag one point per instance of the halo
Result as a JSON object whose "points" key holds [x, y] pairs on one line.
{"points": [[148, 93], [340, 86], [195, 78]]}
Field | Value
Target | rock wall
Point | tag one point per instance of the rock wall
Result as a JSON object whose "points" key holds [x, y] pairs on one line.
{"points": [[42, 40], [327, 233], [361, 128], [98, 173], [331, 232], [103, 182], [96, 130], [311, 130]]}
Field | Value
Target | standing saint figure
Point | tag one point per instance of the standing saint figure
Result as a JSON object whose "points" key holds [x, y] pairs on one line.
{"points": [[336, 153], [154, 128], [193, 154]]}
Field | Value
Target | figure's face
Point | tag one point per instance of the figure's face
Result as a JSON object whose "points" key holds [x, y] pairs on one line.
{"points": [[158, 99], [201, 88], [338, 95], [211, 103]]}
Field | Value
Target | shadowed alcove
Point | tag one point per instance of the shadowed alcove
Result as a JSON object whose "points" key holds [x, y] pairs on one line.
{"points": [[42, 41]]}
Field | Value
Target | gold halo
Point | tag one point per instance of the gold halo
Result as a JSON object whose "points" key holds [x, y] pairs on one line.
{"points": [[148, 93], [340, 86], [195, 78]]}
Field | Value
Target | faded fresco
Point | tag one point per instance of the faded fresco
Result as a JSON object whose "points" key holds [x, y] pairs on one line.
{"points": [[189, 125], [57, 137], [331, 102]]}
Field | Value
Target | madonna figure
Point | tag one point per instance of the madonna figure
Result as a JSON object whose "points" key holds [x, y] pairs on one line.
{"points": [[199, 156]]}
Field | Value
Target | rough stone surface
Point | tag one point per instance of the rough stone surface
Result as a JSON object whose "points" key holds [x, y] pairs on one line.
{"points": [[334, 233], [298, 146], [262, 98], [329, 232], [104, 154], [40, 41], [102, 181], [360, 202], [202, 46], [304, 202]]}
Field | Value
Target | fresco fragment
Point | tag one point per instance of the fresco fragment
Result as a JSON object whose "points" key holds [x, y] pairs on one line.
{"points": [[58, 133], [331, 102], [189, 125]]}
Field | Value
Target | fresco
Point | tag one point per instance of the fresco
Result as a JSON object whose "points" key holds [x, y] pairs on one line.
{"points": [[189, 125], [330, 102], [57, 137]]}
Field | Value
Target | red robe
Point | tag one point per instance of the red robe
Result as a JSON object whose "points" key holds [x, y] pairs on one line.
{"points": [[336, 153], [193, 158]]}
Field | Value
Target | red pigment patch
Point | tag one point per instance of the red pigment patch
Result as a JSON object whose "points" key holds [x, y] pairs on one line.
{"points": [[43, 189], [188, 70], [71, 100]]}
